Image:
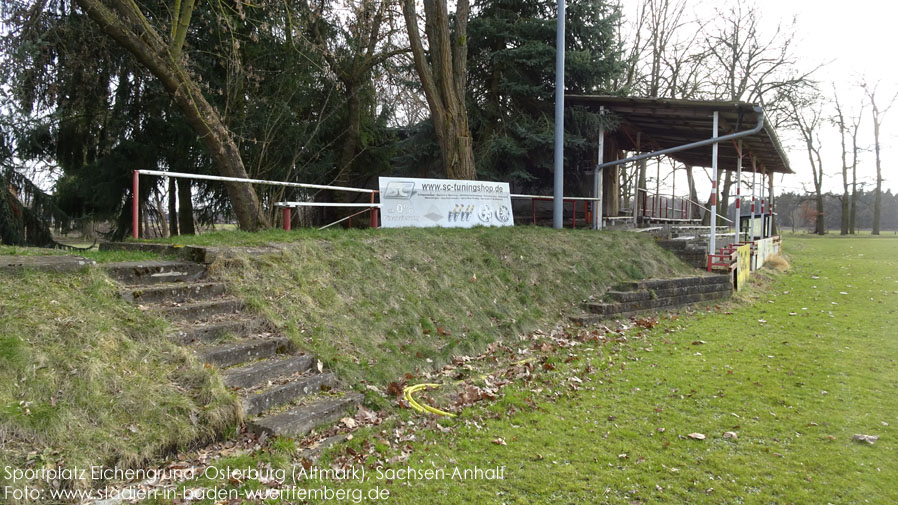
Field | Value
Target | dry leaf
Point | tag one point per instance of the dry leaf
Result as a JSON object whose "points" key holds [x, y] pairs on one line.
{"points": [[348, 422], [870, 439], [731, 434], [499, 441], [696, 436]]}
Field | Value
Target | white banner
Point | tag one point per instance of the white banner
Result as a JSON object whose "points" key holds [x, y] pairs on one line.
{"points": [[446, 203]]}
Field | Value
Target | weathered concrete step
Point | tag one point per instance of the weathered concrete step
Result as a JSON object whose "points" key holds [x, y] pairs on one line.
{"points": [[613, 312], [286, 393], [303, 419], [645, 294], [200, 311], [154, 271], [655, 304], [240, 352], [174, 292], [674, 283], [257, 374], [242, 327]]}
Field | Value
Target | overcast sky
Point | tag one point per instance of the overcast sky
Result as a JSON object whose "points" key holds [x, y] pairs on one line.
{"points": [[854, 41]]}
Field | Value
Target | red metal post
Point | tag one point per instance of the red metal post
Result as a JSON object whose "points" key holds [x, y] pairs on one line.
{"points": [[573, 213], [533, 209], [287, 223], [135, 205], [373, 212]]}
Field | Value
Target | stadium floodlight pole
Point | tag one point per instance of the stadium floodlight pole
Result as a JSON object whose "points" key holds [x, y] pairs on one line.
{"points": [[558, 201]]}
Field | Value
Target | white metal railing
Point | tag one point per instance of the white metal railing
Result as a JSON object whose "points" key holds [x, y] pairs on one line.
{"points": [[372, 207]]}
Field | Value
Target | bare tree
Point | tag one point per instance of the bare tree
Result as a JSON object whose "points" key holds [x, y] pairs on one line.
{"points": [[363, 42], [752, 67], [664, 60], [443, 76], [848, 128], [807, 116], [124, 21], [877, 114]]}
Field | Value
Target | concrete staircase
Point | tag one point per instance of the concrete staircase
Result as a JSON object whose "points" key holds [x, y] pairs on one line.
{"points": [[655, 295], [283, 391], [691, 252]]}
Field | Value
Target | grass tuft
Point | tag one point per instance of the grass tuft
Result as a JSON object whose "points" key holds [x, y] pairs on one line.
{"points": [[778, 263]]}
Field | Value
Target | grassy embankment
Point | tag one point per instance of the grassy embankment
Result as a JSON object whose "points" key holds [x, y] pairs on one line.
{"points": [[87, 379], [795, 373], [377, 304]]}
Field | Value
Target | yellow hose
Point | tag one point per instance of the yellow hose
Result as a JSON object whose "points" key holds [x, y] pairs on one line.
{"points": [[419, 407]]}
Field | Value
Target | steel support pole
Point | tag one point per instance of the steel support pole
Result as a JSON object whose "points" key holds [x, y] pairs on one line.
{"points": [[673, 193], [657, 187], [754, 173], [737, 219], [286, 213], [712, 244], [135, 205], [558, 203], [598, 183], [771, 204], [636, 185]]}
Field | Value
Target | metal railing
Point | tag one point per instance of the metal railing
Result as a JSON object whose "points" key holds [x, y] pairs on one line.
{"points": [[286, 206]]}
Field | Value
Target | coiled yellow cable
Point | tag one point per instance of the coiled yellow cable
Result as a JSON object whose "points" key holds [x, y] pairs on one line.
{"points": [[419, 407]]}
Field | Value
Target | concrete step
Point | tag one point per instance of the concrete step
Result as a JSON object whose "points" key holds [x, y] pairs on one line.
{"points": [[303, 419], [674, 283], [596, 314], [611, 309], [225, 355], [257, 374], [179, 293], [645, 294], [154, 271], [240, 328], [286, 393], [201, 311]]}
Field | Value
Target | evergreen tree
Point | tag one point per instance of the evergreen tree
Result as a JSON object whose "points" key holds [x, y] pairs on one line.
{"points": [[511, 85]]}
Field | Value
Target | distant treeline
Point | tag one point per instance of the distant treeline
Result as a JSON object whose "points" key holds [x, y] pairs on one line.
{"points": [[798, 211]]}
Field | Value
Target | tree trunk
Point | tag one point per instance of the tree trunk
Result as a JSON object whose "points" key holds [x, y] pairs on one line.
{"points": [[123, 21], [443, 75], [877, 196], [163, 222], [846, 210], [723, 210], [853, 218], [819, 226], [693, 195], [173, 206], [641, 168], [456, 147], [185, 202]]}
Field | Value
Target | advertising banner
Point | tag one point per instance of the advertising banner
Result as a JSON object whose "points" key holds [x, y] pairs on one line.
{"points": [[765, 248], [743, 267], [421, 203]]}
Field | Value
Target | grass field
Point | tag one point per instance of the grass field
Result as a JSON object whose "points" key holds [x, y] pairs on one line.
{"points": [[803, 362]]}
